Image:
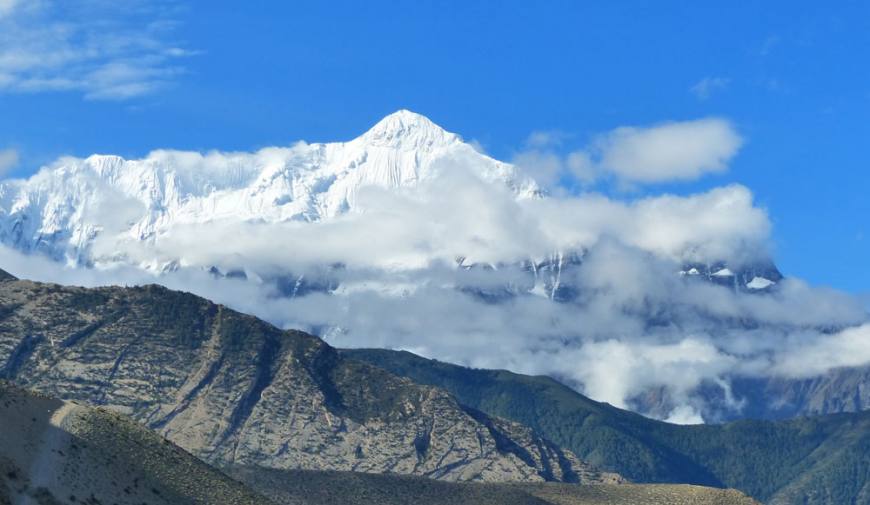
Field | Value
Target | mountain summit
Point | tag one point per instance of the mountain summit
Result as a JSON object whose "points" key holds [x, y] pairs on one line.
{"points": [[406, 130]]}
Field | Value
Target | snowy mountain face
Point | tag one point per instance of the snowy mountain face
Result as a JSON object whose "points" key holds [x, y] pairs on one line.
{"points": [[65, 207], [63, 210]]}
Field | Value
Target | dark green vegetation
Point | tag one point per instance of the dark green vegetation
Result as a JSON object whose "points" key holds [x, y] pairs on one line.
{"points": [[294, 487], [819, 460]]}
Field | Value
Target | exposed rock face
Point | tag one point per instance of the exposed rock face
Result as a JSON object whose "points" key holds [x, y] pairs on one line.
{"points": [[839, 390], [235, 390], [776, 398]]}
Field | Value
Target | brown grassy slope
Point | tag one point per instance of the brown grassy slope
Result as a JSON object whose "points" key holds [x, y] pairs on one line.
{"points": [[55, 452], [293, 487]]}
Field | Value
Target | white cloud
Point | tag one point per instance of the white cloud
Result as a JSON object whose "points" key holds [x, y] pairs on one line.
{"points": [[809, 355], [582, 168], [8, 160], [603, 343], [704, 88], [543, 166], [673, 151], [722, 223], [103, 50], [684, 414], [670, 151]]}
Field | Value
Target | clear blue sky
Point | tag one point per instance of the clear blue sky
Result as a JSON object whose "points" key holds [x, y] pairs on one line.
{"points": [[792, 76]]}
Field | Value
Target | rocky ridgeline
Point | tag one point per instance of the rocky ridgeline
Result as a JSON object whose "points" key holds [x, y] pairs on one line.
{"points": [[232, 389]]}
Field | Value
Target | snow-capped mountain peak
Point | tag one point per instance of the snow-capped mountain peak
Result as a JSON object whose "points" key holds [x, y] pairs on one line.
{"points": [[408, 130], [65, 206]]}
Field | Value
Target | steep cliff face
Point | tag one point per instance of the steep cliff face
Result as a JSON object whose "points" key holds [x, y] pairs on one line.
{"points": [[233, 389]]}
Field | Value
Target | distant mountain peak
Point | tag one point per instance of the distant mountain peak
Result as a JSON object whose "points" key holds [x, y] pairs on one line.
{"points": [[408, 130]]}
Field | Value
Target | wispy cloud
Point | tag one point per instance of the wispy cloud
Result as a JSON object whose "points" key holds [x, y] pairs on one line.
{"points": [[8, 160], [545, 138], [103, 50], [7, 7], [705, 88]]}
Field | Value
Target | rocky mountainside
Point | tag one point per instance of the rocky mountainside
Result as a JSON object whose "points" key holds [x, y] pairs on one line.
{"points": [[232, 389], [845, 389], [239, 393], [63, 453], [840, 390], [817, 460]]}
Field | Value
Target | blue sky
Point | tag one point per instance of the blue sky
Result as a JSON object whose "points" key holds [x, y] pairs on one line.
{"points": [[792, 77]]}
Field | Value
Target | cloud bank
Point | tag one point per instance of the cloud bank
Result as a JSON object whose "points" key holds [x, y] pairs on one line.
{"points": [[459, 216]]}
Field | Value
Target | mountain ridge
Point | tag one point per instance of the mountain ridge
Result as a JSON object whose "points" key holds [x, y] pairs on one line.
{"points": [[215, 381]]}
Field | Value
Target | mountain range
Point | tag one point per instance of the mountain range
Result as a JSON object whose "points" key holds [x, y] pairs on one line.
{"points": [[286, 234], [63, 453], [232, 389], [261, 403]]}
